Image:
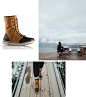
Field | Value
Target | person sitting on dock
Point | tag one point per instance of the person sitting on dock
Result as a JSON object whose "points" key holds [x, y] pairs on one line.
{"points": [[81, 50], [60, 49], [37, 68]]}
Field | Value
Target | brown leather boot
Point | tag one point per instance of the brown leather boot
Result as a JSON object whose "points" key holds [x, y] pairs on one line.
{"points": [[12, 35], [59, 54], [40, 74], [36, 89]]}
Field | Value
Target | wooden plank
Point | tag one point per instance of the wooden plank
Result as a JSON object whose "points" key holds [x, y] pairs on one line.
{"points": [[45, 92], [54, 89], [50, 84], [83, 46], [20, 81], [25, 91]]}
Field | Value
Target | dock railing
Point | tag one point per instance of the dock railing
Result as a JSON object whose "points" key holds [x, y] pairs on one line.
{"points": [[19, 80], [59, 80], [16, 83], [52, 47]]}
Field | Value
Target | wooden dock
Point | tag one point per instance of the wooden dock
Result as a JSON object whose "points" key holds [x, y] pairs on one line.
{"points": [[64, 56], [49, 86]]}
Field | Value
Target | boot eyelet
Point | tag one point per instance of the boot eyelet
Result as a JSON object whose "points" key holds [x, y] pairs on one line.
{"points": [[14, 31], [13, 28]]}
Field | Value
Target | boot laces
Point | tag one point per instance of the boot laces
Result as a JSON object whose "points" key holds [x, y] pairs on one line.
{"points": [[16, 26], [36, 83]]}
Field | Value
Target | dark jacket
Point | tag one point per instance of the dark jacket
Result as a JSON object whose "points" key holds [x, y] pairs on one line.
{"points": [[59, 47]]}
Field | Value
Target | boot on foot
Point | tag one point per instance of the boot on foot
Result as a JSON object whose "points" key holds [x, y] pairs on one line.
{"points": [[40, 74], [36, 89]]}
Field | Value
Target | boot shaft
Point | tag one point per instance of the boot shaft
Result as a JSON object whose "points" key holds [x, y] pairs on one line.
{"points": [[9, 22], [37, 83], [11, 27]]}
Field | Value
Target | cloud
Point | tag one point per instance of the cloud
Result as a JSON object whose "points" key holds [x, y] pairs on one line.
{"points": [[62, 20]]}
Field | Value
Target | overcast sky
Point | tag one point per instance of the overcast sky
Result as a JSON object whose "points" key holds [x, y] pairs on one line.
{"points": [[62, 20]]}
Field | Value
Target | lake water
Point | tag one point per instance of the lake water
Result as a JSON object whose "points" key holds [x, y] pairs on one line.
{"points": [[48, 47]]}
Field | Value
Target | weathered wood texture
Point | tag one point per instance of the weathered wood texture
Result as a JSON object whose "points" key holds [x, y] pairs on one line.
{"points": [[55, 56], [25, 91], [48, 86], [54, 89], [20, 81]]}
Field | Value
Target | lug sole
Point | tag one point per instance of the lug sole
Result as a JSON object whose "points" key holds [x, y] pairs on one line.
{"points": [[17, 44], [40, 78], [36, 92]]}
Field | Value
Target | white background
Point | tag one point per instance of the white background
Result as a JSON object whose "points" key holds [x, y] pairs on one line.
{"points": [[27, 12], [28, 18]]}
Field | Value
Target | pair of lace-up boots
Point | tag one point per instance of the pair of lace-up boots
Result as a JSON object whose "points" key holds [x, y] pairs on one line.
{"points": [[12, 35], [36, 89]]}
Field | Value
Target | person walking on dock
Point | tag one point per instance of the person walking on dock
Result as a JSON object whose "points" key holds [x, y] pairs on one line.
{"points": [[37, 70]]}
